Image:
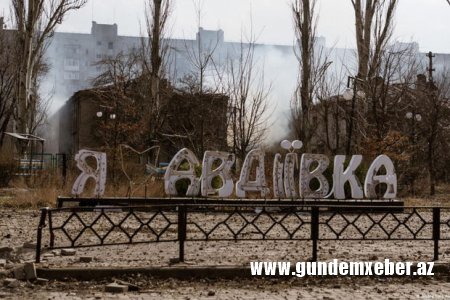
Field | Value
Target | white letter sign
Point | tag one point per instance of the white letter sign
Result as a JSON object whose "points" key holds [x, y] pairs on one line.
{"points": [[340, 177], [306, 176], [289, 168], [259, 184], [277, 174], [372, 179], [223, 171], [173, 173], [99, 174]]}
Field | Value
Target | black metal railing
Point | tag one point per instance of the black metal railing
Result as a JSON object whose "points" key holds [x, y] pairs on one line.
{"points": [[238, 221]]}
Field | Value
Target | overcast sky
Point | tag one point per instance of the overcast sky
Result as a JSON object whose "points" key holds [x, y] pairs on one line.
{"points": [[424, 21]]}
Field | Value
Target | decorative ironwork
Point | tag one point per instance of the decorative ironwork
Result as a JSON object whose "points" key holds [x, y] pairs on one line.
{"points": [[238, 221]]}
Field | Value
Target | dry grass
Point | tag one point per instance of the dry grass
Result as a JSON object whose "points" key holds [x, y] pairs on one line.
{"points": [[442, 198], [43, 190]]}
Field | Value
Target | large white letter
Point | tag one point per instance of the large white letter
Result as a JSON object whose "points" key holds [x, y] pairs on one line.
{"points": [[99, 174], [289, 168], [306, 176], [340, 177], [277, 177], [223, 171], [259, 184], [372, 179], [173, 174]]}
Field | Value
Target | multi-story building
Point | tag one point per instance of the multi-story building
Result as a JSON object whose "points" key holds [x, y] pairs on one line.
{"points": [[74, 57], [74, 63]]}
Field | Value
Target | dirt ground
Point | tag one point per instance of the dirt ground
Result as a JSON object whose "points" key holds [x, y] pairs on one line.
{"points": [[18, 227], [306, 288]]}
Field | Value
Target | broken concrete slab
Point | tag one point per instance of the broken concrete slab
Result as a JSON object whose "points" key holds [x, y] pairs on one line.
{"points": [[86, 259], [131, 287], [19, 273], [29, 245], [2, 263], [11, 283], [41, 281], [116, 288], [5, 252], [30, 271], [68, 252]]}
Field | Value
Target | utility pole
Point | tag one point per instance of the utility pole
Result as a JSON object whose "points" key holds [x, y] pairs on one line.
{"points": [[430, 68], [433, 130]]}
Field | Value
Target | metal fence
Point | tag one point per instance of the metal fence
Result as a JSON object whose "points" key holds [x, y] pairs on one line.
{"points": [[237, 221]]}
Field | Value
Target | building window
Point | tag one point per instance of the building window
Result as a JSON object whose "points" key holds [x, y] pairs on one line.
{"points": [[110, 45], [99, 43], [71, 75], [71, 62]]}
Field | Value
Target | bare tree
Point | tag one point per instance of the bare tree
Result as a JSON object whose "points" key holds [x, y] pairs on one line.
{"points": [[436, 121], [201, 57], [249, 108], [373, 27], [154, 59], [8, 76], [387, 92], [121, 94], [313, 64], [200, 87], [36, 21], [374, 21]]}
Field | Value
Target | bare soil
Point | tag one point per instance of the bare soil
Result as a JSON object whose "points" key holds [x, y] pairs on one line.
{"points": [[17, 227]]}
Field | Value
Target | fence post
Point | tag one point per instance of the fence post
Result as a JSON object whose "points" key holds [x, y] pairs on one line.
{"points": [[182, 214], [436, 231], [39, 233], [50, 229], [64, 168], [314, 231]]}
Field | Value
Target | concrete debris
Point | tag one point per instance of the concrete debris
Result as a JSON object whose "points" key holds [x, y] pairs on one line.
{"points": [[86, 259], [29, 245], [131, 287], [68, 252], [30, 271], [2, 263], [5, 252], [116, 288], [41, 281], [19, 273], [11, 283]]}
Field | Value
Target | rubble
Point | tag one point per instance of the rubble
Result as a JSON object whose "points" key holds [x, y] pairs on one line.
{"points": [[30, 271], [68, 252], [29, 245], [19, 273], [116, 288], [131, 287], [11, 283], [86, 259], [41, 281], [5, 252]]}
